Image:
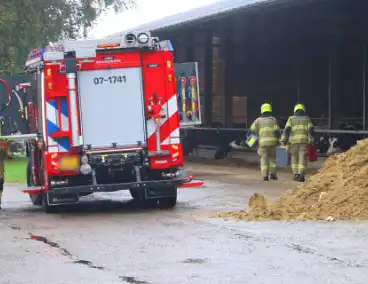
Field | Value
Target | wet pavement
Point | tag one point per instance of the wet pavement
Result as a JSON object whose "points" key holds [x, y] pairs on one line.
{"points": [[110, 239]]}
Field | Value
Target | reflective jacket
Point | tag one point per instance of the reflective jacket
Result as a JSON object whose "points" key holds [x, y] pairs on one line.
{"points": [[298, 129], [267, 130]]}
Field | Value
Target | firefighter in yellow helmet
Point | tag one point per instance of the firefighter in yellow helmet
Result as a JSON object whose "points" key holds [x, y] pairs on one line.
{"points": [[268, 132], [298, 133]]}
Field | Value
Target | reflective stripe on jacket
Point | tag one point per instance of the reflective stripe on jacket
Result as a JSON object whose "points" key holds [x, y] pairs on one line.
{"points": [[266, 129], [300, 127]]}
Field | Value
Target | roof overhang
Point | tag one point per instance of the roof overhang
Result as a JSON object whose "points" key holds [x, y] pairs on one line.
{"points": [[214, 11]]}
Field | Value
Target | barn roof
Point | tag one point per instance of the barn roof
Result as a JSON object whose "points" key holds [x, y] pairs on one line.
{"points": [[202, 13]]}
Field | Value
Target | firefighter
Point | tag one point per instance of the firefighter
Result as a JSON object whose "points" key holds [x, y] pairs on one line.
{"points": [[297, 135], [268, 132], [5, 152]]}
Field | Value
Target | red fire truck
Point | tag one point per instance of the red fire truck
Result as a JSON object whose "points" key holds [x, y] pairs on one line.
{"points": [[105, 117]]}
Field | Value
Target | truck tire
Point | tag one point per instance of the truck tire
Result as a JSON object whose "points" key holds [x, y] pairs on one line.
{"points": [[163, 203], [36, 199], [46, 207], [138, 195], [29, 173], [167, 202]]}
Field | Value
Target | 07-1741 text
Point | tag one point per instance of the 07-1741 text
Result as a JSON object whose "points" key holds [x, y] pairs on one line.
{"points": [[110, 80]]}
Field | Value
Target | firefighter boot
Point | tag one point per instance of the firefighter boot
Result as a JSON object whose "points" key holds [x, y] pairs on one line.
{"points": [[301, 178], [266, 179], [296, 177], [273, 177]]}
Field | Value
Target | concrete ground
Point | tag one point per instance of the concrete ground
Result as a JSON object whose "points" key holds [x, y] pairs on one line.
{"points": [[110, 239]]}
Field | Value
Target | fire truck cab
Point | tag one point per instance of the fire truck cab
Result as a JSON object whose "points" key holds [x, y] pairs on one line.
{"points": [[105, 115]]}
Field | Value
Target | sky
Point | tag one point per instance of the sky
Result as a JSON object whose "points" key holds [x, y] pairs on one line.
{"points": [[146, 11]]}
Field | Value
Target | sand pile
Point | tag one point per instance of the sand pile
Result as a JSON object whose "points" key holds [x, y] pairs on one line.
{"points": [[339, 191]]}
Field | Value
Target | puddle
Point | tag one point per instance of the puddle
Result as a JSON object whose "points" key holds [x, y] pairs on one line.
{"points": [[132, 280], [194, 261]]}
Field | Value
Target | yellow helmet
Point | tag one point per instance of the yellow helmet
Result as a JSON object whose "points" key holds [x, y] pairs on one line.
{"points": [[299, 107], [266, 108]]}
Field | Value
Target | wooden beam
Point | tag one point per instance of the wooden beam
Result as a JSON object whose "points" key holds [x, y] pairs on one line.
{"points": [[208, 77], [229, 69]]}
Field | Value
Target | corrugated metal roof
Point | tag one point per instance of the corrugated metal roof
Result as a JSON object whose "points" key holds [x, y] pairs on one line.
{"points": [[200, 13]]}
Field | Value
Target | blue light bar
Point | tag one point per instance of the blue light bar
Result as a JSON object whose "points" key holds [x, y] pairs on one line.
{"points": [[170, 46], [37, 53], [166, 45]]}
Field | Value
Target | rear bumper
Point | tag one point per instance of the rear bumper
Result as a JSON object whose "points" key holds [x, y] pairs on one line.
{"points": [[83, 189]]}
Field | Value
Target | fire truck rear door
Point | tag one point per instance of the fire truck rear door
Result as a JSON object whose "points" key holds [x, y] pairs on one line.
{"points": [[112, 107]]}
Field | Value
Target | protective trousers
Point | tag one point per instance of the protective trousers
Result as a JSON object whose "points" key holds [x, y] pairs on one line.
{"points": [[3, 153], [298, 154], [268, 160], [1, 177]]}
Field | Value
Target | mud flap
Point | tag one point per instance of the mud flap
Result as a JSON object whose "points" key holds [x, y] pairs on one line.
{"points": [[65, 199], [160, 192]]}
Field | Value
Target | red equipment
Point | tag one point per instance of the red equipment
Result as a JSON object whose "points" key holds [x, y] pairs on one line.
{"points": [[107, 120], [312, 153], [194, 97]]}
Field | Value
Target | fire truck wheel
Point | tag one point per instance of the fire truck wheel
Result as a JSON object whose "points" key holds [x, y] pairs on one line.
{"points": [[36, 199], [47, 208], [29, 173], [170, 201], [167, 202]]}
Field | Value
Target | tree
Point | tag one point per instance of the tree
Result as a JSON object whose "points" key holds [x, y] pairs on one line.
{"points": [[28, 24]]}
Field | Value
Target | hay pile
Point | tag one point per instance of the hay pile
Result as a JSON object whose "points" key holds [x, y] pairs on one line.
{"points": [[339, 191]]}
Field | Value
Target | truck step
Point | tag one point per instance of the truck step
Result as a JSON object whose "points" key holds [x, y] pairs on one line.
{"points": [[193, 183], [33, 190]]}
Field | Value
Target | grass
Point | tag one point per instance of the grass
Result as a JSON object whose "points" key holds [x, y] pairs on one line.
{"points": [[15, 170]]}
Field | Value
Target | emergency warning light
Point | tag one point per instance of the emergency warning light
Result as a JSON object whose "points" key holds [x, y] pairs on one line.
{"points": [[108, 45], [87, 48], [143, 38]]}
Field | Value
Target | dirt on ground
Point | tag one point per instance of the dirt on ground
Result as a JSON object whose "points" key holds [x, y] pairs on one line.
{"points": [[339, 191]]}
